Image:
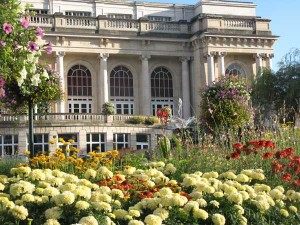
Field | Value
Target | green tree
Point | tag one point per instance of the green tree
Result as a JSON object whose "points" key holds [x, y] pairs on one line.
{"points": [[279, 93], [289, 82]]}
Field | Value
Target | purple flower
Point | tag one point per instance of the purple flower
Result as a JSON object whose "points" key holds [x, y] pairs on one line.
{"points": [[49, 48], [7, 28], [3, 43], [33, 46], [25, 22], [39, 32]]}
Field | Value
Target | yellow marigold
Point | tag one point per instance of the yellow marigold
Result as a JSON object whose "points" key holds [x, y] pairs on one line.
{"points": [[71, 140], [19, 212], [293, 209], [153, 220], [284, 212], [218, 219], [61, 140], [92, 153], [52, 142], [113, 153], [200, 214]]}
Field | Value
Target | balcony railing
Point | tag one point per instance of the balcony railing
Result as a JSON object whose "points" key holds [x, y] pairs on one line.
{"points": [[102, 23], [66, 117]]}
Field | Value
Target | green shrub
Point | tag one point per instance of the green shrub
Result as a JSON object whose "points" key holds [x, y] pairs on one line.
{"points": [[7, 163], [151, 120], [108, 108], [136, 120]]}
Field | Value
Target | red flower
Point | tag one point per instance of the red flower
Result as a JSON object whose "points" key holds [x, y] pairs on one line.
{"points": [[296, 182], [267, 155], [277, 167], [286, 177], [237, 145], [235, 155], [270, 144]]}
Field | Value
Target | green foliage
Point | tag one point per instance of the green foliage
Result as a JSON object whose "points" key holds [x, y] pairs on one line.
{"points": [[7, 163], [23, 78], [136, 120], [279, 92], [108, 108], [225, 104], [151, 120], [164, 147]]}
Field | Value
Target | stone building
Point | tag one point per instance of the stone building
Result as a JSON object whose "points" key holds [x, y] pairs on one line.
{"points": [[140, 56]]}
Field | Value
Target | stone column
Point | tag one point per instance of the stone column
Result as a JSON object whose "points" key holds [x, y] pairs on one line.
{"points": [[104, 77], [145, 87], [60, 69], [270, 61], [186, 104], [221, 64], [259, 65], [211, 67]]}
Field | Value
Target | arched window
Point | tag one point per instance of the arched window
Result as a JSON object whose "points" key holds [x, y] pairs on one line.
{"points": [[121, 90], [79, 89], [79, 81], [121, 82], [161, 83], [161, 89], [235, 70]]}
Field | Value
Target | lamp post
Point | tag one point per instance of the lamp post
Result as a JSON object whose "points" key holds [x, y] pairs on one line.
{"points": [[30, 125]]}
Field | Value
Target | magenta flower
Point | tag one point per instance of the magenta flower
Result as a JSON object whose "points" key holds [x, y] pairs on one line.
{"points": [[3, 43], [7, 28], [39, 32], [49, 48], [33, 46], [25, 22]]}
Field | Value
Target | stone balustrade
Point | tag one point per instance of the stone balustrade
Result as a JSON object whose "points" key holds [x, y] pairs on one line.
{"points": [[65, 117], [58, 21]]}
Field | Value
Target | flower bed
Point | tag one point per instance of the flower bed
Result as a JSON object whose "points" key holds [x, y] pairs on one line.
{"points": [[135, 196]]}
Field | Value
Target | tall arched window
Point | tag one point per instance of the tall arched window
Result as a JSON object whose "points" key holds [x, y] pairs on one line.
{"points": [[121, 90], [235, 70], [79, 89], [161, 89]]}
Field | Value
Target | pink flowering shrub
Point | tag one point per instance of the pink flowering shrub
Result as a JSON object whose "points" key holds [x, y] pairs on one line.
{"points": [[23, 78]]}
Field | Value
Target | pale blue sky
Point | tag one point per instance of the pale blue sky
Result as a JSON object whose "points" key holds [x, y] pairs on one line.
{"points": [[285, 16]]}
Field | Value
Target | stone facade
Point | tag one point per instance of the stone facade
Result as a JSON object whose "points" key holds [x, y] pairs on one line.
{"points": [[140, 56]]}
